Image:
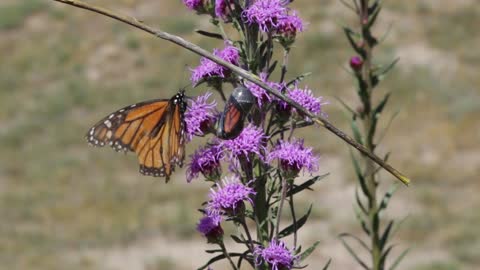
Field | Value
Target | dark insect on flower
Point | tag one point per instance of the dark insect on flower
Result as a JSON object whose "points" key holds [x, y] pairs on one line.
{"points": [[237, 108], [154, 130]]}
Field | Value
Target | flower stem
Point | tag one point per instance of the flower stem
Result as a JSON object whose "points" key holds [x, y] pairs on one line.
{"points": [[222, 246], [279, 210]]}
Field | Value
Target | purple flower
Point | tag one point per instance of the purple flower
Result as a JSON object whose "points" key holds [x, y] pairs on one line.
{"points": [[229, 196], [200, 116], [208, 68], [250, 141], [193, 4], [260, 93], [294, 156], [205, 161], [276, 255], [272, 15], [305, 98], [221, 8], [290, 24], [209, 226]]}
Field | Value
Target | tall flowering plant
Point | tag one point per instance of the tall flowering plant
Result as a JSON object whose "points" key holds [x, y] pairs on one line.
{"points": [[371, 205], [254, 174]]}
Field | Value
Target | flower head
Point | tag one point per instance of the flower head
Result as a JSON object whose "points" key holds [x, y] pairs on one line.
{"points": [[205, 161], [294, 156], [290, 25], [273, 15], [260, 93], [305, 98], [276, 255], [209, 226], [208, 68], [199, 116], [229, 196], [250, 141]]}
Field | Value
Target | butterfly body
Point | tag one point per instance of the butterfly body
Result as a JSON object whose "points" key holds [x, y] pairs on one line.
{"points": [[154, 130]]}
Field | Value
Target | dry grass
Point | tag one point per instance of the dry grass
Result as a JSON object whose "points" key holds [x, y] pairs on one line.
{"points": [[65, 205]]}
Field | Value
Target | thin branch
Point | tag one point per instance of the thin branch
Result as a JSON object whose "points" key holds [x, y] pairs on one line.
{"points": [[242, 73]]}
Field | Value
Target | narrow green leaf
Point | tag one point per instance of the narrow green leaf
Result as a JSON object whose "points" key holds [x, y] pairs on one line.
{"points": [[345, 105], [299, 78], [386, 233], [295, 226], [327, 265], [211, 251], [360, 241], [245, 256], [358, 172], [308, 251], [354, 255], [397, 226], [374, 16], [351, 35], [382, 72], [306, 185], [209, 34], [382, 104], [272, 67], [356, 132], [218, 258], [384, 256], [399, 259], [238, 239], [376, 114], [386, 198], [359, 202], [362, 222]]}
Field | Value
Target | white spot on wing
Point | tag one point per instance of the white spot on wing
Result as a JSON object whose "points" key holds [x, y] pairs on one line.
{"points": [[108, 123]]}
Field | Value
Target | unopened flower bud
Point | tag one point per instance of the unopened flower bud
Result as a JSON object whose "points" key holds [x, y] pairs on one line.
{"points": [[356, 63]]}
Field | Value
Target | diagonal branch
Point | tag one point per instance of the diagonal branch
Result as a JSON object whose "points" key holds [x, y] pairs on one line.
{"points": [[240, 72]]}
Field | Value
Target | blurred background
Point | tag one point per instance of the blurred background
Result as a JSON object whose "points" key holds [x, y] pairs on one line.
{"points": [[65, 205]]}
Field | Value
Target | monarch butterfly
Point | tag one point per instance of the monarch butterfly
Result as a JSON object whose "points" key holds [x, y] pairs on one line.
{"points": [[237, 108], [154, 130]]}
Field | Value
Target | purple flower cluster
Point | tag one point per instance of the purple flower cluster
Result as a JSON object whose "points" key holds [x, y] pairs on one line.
{"points": [[205, 161], [276, 255], [229, 196], [260, 93], [273, 15], [294, 156], [199, 116], [208, 68], [250, 141]]}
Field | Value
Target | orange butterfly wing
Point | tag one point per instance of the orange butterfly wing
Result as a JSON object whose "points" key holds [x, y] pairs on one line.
{"points": [[154, 130], [233, 116]]}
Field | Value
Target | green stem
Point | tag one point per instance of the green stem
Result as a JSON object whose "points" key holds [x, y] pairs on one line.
{"points": [[261, 210], [222, 246], [367, 118]]}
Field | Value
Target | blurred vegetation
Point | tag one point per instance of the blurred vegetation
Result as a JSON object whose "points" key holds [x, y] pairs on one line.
{"points": [[61, 69]]}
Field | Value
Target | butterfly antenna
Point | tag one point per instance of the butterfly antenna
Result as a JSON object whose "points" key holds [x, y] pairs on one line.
{"points": [[184, 88]]}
